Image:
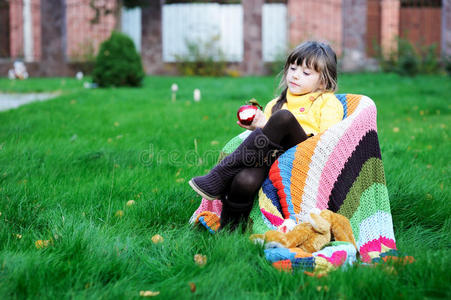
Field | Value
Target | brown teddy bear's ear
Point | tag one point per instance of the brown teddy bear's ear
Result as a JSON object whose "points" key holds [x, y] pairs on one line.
{"points": [[319, 224]]}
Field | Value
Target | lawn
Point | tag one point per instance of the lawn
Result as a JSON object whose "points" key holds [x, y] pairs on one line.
{"points": [[69, 166]]}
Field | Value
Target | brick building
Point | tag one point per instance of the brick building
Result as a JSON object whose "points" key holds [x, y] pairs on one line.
{"points": [[52, 34]]}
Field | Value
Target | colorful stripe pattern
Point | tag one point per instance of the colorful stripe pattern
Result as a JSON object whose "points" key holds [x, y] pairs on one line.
{"points": [[334, 255], [341, 170]]}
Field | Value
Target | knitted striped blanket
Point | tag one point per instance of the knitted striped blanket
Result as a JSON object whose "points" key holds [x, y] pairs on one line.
{"points": [[341, 170]]}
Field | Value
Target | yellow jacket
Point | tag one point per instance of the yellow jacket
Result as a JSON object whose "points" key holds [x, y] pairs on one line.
{"points": [[315, 112]]}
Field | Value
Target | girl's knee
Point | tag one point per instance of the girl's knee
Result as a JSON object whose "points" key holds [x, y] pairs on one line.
{"points": [[284, 116], [247, 181]]}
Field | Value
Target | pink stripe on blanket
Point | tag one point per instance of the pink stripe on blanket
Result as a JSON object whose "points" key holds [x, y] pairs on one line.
{"points": [[274, 220], [341, 153], [337, 258], [377, 246], [208, 205]]}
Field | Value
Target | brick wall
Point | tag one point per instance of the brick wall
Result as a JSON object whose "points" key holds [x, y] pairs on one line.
{"points": [[16, 29], [446, 28], [84, 37], [252, 36], [342, 23], [389, 25], [316, 19], [53, 30], [36, 28], [151, 42], [354, 14]]}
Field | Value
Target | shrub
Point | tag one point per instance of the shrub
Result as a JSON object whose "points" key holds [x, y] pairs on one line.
{"points": [[409, 60], [430, 62], [202, 58], [118, 63], [447, 64]]}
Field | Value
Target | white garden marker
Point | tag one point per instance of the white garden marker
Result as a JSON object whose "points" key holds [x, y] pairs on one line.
{"points": [[174, 89], [196, 95], [79, 75]]}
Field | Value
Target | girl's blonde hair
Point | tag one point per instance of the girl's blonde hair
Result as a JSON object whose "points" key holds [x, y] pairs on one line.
{"points": [[317, 56]]}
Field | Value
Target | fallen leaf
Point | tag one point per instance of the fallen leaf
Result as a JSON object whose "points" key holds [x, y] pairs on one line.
{"points": [[213, 143], [131, 202], [116, 124], [317, 275], [109, 140], [119, 213], [205, 118], [19, 236], [180, 180], [192, 287], [73, 101], [42, 244], [119, 137], [157, 239], [200, 260], [395, 129], [148, 293], [320, 288]]}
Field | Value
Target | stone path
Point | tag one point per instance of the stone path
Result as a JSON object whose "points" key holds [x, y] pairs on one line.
{"points": [[11, 101]]}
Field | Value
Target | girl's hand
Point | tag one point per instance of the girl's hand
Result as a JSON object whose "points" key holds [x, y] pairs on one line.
{"points": [[258, 122]]}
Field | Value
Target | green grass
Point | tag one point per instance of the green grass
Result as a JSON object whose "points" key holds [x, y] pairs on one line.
{"points": [[69, 164]]}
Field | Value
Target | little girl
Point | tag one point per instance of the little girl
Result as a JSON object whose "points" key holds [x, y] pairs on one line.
{"points": [[306, 106]]}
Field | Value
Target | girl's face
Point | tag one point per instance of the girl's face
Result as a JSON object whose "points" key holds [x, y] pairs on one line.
{"points": [[302, 80]]}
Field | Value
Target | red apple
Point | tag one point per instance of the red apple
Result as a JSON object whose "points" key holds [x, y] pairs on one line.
{"points": [[246, 114]]}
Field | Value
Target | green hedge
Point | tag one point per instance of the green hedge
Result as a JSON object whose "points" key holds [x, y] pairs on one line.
{"points": [[118, 63]]}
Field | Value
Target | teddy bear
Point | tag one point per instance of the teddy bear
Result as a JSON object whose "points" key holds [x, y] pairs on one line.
{"points": [[311, 236]]}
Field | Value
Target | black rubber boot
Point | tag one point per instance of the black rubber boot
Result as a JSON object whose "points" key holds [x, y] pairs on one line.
{"points": [[255, 151], [234, 214]]}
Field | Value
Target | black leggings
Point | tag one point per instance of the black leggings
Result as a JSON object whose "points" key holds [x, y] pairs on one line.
{"points": [[282, 128]]}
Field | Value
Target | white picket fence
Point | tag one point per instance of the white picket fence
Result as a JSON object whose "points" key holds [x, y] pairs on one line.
{"points": [[219, 28], [131, 25], [274, 31], [204, 23]]}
